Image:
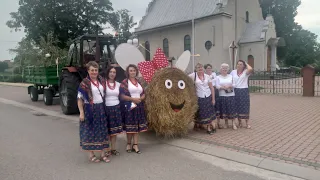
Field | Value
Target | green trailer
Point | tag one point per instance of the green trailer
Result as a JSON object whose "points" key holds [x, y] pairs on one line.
{"points": [[45, 80]]}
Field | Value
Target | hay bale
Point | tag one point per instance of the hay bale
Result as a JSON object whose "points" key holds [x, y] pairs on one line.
{"points": [[170, 110]]}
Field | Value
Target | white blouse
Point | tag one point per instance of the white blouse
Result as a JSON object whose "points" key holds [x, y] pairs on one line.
{"points": [[213, 77], [97, 99], [242, 80], [202, 87], [225, 81], [134, 90], [112, 96]]}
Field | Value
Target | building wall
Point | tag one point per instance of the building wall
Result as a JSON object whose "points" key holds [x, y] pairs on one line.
{"points": [[175, 36], [218, 29], [258, 51]]}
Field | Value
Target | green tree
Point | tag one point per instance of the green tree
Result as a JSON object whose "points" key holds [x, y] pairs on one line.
{"points": [[26, 53], [3, 66], [122, 22], [301, 45], [66, 19]]}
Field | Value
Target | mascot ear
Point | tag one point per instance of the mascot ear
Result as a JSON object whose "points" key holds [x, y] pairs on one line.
{"points": [[126, 54], [183, 61]]}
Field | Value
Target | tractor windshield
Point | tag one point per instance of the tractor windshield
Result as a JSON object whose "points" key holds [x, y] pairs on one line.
{"points": [[106, 51]]}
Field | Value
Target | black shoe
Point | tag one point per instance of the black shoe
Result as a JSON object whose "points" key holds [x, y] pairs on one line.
{"points": [[138, 152]]}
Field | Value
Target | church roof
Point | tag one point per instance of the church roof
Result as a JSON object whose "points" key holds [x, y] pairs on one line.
{"points": [[168, 12], [255, 32]]}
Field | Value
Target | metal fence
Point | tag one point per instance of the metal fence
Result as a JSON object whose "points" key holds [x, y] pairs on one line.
{"points": [[277, 82], [317, 85]]}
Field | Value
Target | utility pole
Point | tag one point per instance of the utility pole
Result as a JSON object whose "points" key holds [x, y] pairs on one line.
{"points": [[193, 35]]}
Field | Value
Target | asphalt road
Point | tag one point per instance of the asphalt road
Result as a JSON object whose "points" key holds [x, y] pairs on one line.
{"points": [[34, 147]]}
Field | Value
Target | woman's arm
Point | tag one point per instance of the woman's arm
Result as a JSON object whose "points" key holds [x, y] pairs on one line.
{"points": [[212, 92], [249, 69], [233, 82], [128, 98], [142, 97], [218, 86], [81, 110]]}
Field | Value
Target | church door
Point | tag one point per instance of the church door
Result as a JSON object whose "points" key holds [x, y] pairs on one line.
{"points": [[269, 59], [251, 61]]}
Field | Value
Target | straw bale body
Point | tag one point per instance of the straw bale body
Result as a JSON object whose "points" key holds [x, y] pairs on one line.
{"points": [[171, 102]]}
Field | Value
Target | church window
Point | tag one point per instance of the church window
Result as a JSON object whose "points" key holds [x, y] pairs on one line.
{"points": [[147, 46], [187, 43], [247, 16], [208, 45], [166, 47]]}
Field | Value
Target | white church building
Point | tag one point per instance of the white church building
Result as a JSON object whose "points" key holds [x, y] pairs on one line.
{"points": [[224, 31]]}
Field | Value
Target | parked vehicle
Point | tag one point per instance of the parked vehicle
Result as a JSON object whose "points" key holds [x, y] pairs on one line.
{"points": [[63, 80]]}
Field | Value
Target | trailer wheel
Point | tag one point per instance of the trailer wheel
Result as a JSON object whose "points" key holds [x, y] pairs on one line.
{"points": [[34, 95], [68, 93], [48, 97]]}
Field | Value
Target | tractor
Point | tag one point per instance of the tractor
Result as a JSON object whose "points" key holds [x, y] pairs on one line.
{"points": [[98, 48]]}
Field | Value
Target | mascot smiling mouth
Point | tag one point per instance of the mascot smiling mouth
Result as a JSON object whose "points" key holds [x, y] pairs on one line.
{"points": [[177, 108]]}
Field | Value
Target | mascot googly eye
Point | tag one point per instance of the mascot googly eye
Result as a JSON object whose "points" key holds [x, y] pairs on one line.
{"points": [[181, 84], [168, 84], [171, 100]]}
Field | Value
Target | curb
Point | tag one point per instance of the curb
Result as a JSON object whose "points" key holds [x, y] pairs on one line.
{"points": [[258, 162], [220, 152], [15, 84], [39, 110]]}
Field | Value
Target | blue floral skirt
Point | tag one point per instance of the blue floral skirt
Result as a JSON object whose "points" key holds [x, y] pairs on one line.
{"points": [[94, 131], [135, 120], [206, 112], [227, 107], [242, 99], [114, 119], [217, 97]]}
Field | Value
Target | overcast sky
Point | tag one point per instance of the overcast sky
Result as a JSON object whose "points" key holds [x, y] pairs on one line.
{"points": [[308, 17]]}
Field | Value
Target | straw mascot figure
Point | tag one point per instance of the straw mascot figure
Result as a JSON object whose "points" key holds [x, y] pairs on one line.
{"points": [[171, 100]]}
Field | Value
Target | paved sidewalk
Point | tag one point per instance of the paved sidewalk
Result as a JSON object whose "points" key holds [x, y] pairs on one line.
{"points": [[284, 128], [15, 84]]}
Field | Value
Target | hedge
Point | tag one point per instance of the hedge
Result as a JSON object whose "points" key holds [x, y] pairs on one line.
{"points": [[11, 78]]}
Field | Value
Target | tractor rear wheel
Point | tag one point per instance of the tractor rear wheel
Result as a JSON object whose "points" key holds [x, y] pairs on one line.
{"points": [[48, 97], [68, 92]]}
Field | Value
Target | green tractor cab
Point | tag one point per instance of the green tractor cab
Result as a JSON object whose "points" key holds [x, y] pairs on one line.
{"points": [[99, 48]]}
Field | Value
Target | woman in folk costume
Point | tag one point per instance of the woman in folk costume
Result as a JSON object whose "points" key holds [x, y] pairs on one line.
{"points": [[242, 98], [213, 76], [113, 110], [206, 99], [225, 83], [132, 96], [93, 123]]}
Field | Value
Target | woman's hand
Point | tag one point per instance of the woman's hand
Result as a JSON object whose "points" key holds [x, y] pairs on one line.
{"points": [[213, 101], [81, 117], [136, 100]]}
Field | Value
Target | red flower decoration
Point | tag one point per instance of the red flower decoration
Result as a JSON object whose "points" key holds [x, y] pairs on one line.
{"points": [[148, 68]]}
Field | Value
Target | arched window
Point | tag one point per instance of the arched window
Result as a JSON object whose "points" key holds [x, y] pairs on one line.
{"points": [[166, 47], [147, 46], [247, 16], [251, 61], [187, 43]]}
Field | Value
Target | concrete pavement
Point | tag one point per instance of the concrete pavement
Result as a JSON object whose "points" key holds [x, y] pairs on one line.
{"points": [[268, 145], [36, 146]]}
